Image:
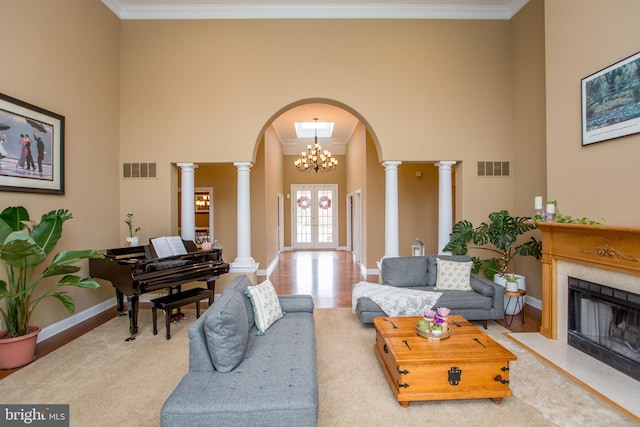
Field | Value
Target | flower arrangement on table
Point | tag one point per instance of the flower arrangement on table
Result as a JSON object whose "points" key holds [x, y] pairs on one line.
{"points": [[437, 321]]}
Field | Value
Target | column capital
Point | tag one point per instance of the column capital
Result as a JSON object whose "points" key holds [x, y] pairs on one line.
{"points": [[191, 166], [243, 165], [445, 164], [391, 164]]}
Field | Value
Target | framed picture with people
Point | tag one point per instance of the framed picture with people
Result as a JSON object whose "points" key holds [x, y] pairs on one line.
{"points": [[31, 148]]}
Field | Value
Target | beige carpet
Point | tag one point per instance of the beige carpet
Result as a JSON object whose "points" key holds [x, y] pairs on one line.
{"points": [[110, 382]]}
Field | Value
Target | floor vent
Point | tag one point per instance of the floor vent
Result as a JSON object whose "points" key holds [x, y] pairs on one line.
{"points": [[493, 169], [138, 170]]}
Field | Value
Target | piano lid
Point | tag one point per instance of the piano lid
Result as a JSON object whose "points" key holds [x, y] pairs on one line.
{"points": [[124, 253]]}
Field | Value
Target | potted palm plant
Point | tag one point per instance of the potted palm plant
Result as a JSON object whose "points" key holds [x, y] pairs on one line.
{"points": [[24, 246], [499, 237]]}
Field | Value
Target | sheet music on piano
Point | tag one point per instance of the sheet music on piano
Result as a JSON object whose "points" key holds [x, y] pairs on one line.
{"points": [[167, 246]]}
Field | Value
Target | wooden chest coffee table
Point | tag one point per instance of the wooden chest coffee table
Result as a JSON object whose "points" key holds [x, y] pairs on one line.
{"points": [[467, 365]]}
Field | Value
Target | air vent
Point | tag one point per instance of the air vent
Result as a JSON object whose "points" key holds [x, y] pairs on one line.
{"points": [[493, 169], [138, 170]]}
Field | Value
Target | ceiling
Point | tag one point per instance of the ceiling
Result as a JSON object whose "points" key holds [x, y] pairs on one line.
{"points": [[344, 125], [344, 122]]}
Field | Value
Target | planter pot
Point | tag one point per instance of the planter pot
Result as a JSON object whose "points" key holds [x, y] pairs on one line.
{"points": [[133, 241], [18, 351], [511, 309]]}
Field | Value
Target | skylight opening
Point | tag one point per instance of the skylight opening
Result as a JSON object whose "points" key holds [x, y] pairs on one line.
{"points": [[306, 129]]}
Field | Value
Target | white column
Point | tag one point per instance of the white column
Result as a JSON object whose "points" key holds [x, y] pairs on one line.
{"points": [[188, 215], [244, 262], [445, 203], [391, 208]]}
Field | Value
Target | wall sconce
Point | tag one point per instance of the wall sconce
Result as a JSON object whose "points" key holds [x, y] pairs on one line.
{"points": [[417, 249]]}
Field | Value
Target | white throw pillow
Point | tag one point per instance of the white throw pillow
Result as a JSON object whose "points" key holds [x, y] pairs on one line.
{"points": [[266, 305], [454, 275]]}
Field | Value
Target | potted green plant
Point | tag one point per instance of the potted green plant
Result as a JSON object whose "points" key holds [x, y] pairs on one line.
{"points": [[24, 246], [132, 239], [499, 236]]}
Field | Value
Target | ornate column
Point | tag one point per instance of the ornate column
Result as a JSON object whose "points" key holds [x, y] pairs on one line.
{"points": [[391, 208], [188, 218], [244, 262], [445, 203]]}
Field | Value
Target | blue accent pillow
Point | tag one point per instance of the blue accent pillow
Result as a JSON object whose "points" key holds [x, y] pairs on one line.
{"points": [[225, 328]]}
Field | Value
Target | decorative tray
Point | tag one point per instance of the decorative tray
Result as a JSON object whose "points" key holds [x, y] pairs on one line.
{"points": [[428, 335]]}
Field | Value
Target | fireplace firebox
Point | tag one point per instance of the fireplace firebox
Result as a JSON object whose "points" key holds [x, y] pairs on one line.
{"points": [[605, 323]]}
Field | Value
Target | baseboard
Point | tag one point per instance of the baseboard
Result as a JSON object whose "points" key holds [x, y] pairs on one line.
{"points": [[269, 269], [534, 302], [75, 319]]}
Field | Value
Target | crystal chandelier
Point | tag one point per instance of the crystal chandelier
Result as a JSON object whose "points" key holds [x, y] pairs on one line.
{"points": [[315, 158]]}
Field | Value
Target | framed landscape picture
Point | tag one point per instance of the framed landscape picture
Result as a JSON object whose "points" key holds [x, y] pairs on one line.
{"points": [[31, 148], [611, 102]]}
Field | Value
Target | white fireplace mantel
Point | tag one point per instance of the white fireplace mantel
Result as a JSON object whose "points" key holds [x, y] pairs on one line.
{"points": [[612, 248]]}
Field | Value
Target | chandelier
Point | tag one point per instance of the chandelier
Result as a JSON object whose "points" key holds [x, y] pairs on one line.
{"points": [[315, 158]]}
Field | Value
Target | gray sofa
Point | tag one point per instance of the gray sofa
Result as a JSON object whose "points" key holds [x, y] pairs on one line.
{"points": [[485, 302], [274, 384]]}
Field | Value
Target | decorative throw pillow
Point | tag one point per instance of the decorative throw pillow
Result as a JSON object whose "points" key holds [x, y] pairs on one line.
{"points": [[266, 306], [406, 271], [454, 275], [226, 332]]}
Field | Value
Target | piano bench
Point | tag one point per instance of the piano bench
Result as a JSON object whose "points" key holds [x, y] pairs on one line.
{"points": [[179, 299]]}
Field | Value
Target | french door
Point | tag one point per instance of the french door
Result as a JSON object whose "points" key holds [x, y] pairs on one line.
{"points": [[314, 216]]}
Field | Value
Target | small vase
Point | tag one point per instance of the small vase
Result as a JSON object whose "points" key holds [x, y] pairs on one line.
{"points": [[512, 286], [430, 321], [133, 241], [444, 323]]}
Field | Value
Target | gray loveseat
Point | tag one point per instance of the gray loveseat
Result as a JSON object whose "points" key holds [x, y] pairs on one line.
{"points": [[274, 384], [485, 302]]}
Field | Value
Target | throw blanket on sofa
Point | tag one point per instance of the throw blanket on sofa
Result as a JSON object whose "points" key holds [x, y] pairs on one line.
{"points": [[395, 301]]}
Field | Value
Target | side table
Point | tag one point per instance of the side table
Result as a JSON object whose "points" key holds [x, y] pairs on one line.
{"points": [[519, 303]]}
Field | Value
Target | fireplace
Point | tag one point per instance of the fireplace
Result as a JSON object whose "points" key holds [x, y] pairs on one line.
{"points": [[604, 322], [609, 255]]}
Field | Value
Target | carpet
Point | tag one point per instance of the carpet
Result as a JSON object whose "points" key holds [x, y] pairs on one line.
{"points": [[107, 381]]}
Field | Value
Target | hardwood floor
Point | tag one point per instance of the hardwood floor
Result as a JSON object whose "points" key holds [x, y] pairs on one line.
{"points": [[326, 275]]}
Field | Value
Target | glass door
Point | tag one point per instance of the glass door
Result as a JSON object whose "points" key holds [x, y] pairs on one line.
{"points": [[314, 224]]}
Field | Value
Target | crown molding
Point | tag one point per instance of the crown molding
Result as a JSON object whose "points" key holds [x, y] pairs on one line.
{"points": [[158, 11]]}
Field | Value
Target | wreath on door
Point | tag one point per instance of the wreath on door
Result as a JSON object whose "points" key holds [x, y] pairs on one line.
{"points": [[304, 202], [324, 202]]}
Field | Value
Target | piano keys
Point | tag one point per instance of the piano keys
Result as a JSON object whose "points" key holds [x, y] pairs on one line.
{"points": [[137, 270]]}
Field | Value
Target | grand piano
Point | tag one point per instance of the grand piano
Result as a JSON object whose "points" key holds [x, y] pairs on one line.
{"points": [[136, 270]]}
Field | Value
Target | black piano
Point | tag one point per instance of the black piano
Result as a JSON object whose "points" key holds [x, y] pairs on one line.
{"points": [[136, 270]]}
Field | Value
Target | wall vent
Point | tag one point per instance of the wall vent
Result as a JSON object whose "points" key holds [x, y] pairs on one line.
{"points": [[493, 169], [138, 170]]}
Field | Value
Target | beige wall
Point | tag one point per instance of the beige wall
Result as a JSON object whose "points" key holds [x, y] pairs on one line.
{"points": [[65, 58], [204, 91], [598, 181], [418, 207], [529, 128], [223, 180], [421, 102]]}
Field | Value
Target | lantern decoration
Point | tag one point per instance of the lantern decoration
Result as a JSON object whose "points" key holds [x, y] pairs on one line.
{"points": [[417, 249]]}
